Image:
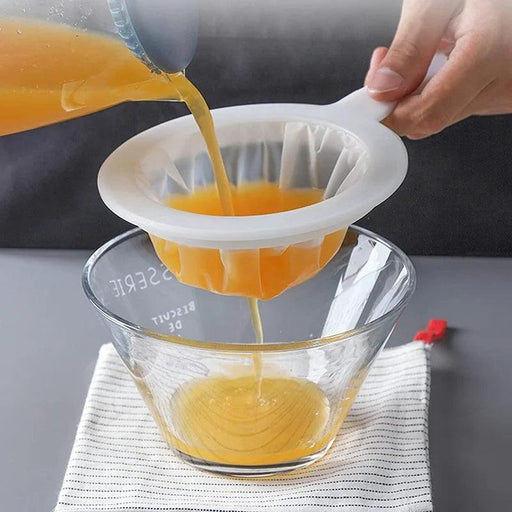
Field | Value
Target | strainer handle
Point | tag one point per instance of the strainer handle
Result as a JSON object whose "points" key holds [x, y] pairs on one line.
{"points": [[360, 103]]}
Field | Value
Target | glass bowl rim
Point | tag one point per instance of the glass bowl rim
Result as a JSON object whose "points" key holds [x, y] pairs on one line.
{"points": [[243, 347]]}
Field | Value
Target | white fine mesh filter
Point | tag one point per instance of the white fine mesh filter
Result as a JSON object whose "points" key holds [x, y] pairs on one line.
{"points": [[292, 154]]}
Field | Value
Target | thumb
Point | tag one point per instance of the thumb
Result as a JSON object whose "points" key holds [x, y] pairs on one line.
{"points": [[420, 30]]}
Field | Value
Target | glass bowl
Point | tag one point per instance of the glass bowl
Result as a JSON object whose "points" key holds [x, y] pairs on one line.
{"points": [[224, 402]]}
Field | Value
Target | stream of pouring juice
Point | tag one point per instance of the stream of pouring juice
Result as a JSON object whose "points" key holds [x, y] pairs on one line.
{"points": [[50, 73]]}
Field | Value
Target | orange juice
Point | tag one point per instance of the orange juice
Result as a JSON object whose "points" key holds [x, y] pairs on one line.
{"points": [[199, 109], [51, 72], [223, 420], [233, 272]]}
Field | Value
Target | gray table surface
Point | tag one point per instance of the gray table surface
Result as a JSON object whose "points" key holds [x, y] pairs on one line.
{"points": [[49, 338]]}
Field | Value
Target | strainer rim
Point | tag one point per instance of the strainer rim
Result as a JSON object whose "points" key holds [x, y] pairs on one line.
{"points": [[386, 171]]}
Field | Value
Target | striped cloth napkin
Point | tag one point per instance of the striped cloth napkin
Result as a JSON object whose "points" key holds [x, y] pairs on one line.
{"points": [[379, 462]]}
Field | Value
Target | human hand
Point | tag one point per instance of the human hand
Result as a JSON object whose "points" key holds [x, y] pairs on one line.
{"points": [[476, 80]]}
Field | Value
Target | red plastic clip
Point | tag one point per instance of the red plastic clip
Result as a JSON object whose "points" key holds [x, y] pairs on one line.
{"points": [[435, 330]]}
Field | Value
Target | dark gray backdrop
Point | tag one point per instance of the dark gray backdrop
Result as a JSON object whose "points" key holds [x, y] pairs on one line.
{"points": [[456, 200]]}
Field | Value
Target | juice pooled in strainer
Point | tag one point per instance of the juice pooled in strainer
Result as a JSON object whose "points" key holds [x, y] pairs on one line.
{"points": [[258, 273]]}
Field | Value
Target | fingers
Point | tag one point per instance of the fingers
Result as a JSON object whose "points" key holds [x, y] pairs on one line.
{"points": [[420, 30], [447, 96], [494, 99]]}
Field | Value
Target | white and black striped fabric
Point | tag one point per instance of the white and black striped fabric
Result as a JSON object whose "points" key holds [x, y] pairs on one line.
{"points": [[379, 462]]}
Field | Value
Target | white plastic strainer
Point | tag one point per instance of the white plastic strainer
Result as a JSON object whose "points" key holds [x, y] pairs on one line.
{"points": [[340, 148], [368, 165]]}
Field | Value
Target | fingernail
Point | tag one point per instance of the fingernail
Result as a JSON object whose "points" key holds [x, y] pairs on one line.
{"points": [[385, 80]]}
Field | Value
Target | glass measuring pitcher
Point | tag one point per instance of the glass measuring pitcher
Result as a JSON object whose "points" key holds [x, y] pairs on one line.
{"points": [[64, 59]]}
